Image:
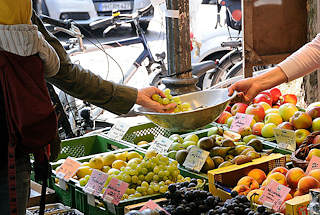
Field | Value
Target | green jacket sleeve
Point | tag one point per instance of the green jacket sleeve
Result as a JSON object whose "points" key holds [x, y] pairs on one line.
{"points": [[85, 85]]}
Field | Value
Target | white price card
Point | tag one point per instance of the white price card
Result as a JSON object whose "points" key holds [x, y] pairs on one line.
{"points": [[241, 120], [117, 131], [286, 139], [161, 144], [195, 159], [96, 182]]}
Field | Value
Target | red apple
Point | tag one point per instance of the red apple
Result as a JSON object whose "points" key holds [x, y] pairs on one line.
{"points": [[257, 127], [256, 110], [314, 112], [316, 124], [262, 98], [223, 118], [316, 139], [228, 108], [266, 93], [301, 135], [286, 125], [301, 120], [238, 108], [288, 98], [275, 94]]}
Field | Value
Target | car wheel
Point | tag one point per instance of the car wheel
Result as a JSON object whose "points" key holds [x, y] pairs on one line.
{"points": [[143, 25]]}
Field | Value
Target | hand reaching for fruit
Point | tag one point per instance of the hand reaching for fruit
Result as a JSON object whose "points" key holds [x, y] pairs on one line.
{"points": [[144, 99]]}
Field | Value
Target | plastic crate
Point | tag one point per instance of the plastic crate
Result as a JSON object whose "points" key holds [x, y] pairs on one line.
{"points": [[222, 180], [77, 148]]}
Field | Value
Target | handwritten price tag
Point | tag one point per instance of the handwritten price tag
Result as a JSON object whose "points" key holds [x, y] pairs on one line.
{"points": [[117, 131], [153, 206], [161, 144], [196, 159], [274, 194], [96, 182], [241, 120], [313, 164], [67, 169], [286, 139], [115, 191]]}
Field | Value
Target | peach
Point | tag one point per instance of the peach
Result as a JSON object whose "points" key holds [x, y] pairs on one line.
{"points": [[254, 196], [276, 176], [249, 181], [241, 189], [280, 169], [313, 152], [293, 176], [258, 175], [298, 193], [315, 173], [306, 183]]}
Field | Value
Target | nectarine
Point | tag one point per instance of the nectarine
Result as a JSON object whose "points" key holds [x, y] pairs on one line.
{"points": [[249, 181], [241, 189], [258, 175], [293, 176], [276, 176], [315, 173], [306, 183]]}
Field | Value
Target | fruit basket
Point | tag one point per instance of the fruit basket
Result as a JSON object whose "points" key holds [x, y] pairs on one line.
{"points": [[298, 157], [79, 147]]}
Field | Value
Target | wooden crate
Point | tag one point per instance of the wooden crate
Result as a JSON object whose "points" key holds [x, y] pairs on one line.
{"points": [[35, 195]]}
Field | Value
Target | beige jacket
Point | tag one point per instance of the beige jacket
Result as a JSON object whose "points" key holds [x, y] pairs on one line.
{"points": [[26, 40]]}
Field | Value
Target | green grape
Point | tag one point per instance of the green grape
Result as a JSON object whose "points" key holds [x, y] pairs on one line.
{"points": [[130, 191], [156, 187], [132, 165], [139, 182], [133, 172], [165, 101], [144, 171], [156, 178], [164, 159], [83, 181], [125, 196], [138, 194], [149, 176], [188, 179], [141, 177], [134, 179], [122, 168], [185, 105], [171, 168], [165, 178], [167, 91], [127, 178], [150, 191], [139, 189], [131, 196], [161, 174], [175, 163], [163, 189], [159, 156], [176, 99], [156, 97], [162, 183], [166, 173], [144, 184], [156, 170], [170, 98], [154, 160]]}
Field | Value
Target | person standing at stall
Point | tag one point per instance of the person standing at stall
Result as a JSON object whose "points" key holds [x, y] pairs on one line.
{"points": [[300, 63]]}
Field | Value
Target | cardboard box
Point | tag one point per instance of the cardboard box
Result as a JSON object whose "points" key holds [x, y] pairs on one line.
{"points": [[35, 195], [298, 205], [229, 176]]}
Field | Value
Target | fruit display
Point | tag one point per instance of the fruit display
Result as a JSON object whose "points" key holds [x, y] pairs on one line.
{"points": [[181, 106], [273, 110], [253, 184], [225, 147], [146, 175]]}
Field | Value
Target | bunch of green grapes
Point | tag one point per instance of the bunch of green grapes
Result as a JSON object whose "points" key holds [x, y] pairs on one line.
{"points": [[181, 107], [149, 176]]}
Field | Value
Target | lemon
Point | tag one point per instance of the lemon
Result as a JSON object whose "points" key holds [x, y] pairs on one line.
{"points": [[150, 154], [85, 164], [118, 164], [96, 163], [122, 156], [83, 171], [108, 159], [133, 154]]}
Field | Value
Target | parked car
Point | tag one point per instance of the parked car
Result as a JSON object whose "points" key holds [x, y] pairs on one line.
{"points": [[84, 12]]}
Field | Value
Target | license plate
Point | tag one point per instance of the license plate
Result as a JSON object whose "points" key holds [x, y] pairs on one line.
{"points": [[109, 6]]}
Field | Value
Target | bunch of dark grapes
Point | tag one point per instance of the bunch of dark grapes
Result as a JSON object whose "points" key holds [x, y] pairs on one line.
{"points": [[182, 199]]}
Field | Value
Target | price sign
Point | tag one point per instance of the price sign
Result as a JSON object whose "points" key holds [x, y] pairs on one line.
{"points": [[153, 206], [274, 195], [313, 164], [117, 131], [195, 159], [161, 144], [67, 169], [286, 139], [115, 191], [241, 120], [96, 182]]}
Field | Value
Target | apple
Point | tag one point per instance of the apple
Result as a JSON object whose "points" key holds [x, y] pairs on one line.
{"points": [[257, 111], [316, 124], [224, 116], [301, 135], [266, 93], [313, 152], [267, 130], [257, 127], [228, 108], [275, 94], [238, 108], [316, 139], [229, 121], [245, 131], [191, 137], [288, 98], [314, 112], [287, 110], [262, 98], [272, 110], [274, 118], [286, 125], [176, 138], [265, 106], [301, 120], [314, 104]]}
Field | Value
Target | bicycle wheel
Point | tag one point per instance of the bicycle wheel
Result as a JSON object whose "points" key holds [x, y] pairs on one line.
{"points": [[220, 73]]}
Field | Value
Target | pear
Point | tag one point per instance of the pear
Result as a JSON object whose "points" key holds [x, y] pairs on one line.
{"points": [[181, 156], [228, 142], [256, 144], [208, 165], [246, 139], [205, 143], [219, 151], [217, 160], [241, 159], [224, 164], [239, 149]]}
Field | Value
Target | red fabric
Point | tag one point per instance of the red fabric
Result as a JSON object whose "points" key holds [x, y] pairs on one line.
{"points": [[31, 120]]}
